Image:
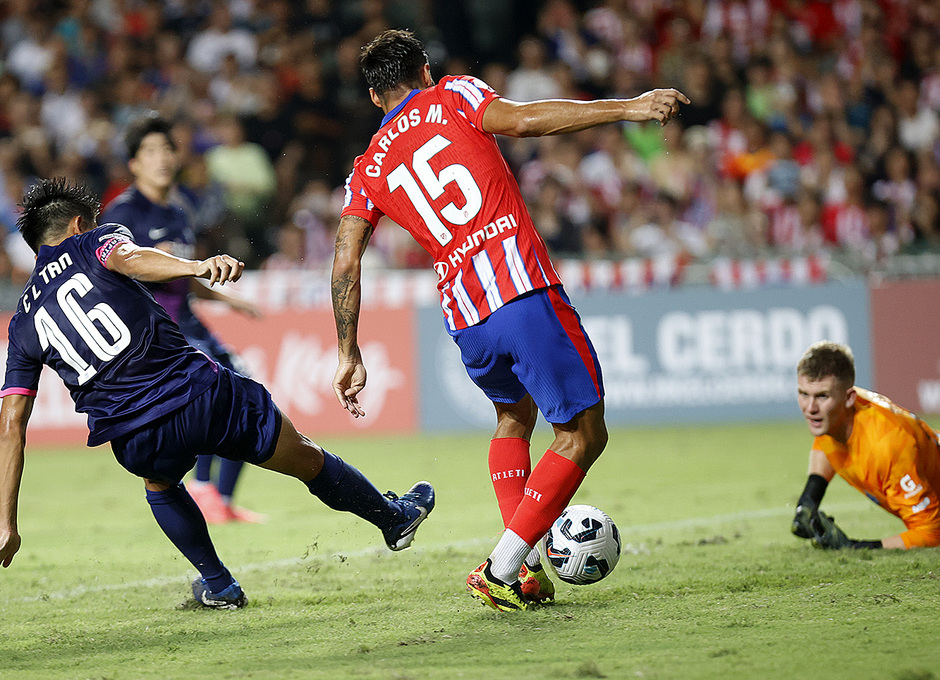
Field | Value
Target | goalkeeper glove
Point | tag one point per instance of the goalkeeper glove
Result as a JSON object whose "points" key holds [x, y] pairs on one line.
{"points": [[828, 535], [806, 522], [833, 538]]}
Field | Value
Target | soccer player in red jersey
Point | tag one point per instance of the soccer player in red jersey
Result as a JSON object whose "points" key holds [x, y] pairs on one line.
{"points": [[435, 169]]}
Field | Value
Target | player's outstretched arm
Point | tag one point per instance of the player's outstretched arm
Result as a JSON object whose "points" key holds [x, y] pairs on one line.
{"points": [[557, 116], [14, 415], [897, 543], [352, 238], [923, 531], [156, 266], [203, 292], [806, 520]]}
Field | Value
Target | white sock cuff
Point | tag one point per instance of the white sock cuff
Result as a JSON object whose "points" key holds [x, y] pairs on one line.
{"points": [[533, 559], [507, 557]]}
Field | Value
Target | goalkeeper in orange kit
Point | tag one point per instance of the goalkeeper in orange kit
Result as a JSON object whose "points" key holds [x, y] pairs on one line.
{"points": [[882, 450]]}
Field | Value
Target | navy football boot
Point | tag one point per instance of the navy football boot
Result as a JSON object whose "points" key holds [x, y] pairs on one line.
{"points": [[232, 597], [416, 504]]}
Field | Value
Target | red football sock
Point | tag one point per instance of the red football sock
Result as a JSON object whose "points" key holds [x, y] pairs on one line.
{"points": [[551, 485], [510, 466]]}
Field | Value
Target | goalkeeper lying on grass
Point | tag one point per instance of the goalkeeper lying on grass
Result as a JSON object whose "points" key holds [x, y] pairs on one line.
{"points": [[882, 450]]}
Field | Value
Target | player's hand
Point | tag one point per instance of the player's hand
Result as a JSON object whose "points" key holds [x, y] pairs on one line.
{"points": [[348, 382], [659, 105], [806, 522], [831, 537], [9, 544], [219, 269]]}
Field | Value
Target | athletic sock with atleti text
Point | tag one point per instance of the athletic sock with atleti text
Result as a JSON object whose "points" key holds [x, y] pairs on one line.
{"points": [[547, 493], [510, 466], [551, 485]]}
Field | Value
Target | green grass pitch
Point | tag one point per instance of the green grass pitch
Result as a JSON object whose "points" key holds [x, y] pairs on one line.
{"points": [[711, 583]]}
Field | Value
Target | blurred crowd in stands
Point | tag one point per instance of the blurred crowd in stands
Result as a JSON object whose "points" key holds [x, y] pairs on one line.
{"points": [[814, 124]]}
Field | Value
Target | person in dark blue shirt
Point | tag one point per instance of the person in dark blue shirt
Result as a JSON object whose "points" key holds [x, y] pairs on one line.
{"points": [[160, 402], [158, 213]]}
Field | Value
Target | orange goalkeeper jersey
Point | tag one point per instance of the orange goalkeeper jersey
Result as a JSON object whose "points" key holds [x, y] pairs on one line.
{"points": [[893, 458]]}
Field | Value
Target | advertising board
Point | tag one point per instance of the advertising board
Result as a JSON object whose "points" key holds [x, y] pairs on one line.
{"points": [[906, 343], [293, 353], [677, 356]]}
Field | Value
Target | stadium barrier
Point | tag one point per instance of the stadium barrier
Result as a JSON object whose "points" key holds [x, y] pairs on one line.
{"points": [[676, 356], [906, 343], [669, 355], [293, 352]]}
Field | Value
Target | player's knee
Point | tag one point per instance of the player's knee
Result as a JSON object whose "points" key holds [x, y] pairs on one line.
{"points": [[601, 438], [518, 419], [295, 455], [595, 432], [157, 485], [595, 441], [594, 450]]}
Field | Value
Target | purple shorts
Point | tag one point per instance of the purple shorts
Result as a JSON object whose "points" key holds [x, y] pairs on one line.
{"points": [[534, 345], [235, 418]]}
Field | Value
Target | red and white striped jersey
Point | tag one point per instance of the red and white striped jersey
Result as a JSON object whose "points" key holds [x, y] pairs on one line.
{"points": [[431, 169]]}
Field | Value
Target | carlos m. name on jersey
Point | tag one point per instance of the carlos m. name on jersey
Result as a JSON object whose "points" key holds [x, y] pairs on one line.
{"points": [[433, 170]]}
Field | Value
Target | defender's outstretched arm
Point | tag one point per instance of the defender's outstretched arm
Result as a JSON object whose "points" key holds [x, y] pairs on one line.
{"points": [[14, 415], [156, 266]]}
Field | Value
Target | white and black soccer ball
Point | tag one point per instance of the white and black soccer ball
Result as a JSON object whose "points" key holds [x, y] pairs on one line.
{"points": [[583, 545]]}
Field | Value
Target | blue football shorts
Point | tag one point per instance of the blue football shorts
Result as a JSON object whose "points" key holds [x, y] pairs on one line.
{"points": [[534, 345], [235, 418]]}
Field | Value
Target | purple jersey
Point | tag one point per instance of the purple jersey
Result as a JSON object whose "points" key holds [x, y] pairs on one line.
{"points": [[122, 358], [152, 224]]}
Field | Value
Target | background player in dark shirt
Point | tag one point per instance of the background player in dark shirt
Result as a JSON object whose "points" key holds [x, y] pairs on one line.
{"points": [[158, 214], [154, 397]]}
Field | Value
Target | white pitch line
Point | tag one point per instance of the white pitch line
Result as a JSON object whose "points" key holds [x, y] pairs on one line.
{"points": [[687, 523], [733, 517]]}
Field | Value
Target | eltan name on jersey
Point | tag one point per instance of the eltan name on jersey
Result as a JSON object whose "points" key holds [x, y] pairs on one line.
{"points": [[399, 126], [47, 273]]}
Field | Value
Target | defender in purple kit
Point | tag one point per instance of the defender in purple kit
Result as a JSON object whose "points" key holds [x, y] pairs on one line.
{"points": [[157, 211], [155, 398]]}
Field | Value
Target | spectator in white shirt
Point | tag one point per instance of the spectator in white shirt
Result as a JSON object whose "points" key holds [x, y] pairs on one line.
{"points": [[219, 39]]}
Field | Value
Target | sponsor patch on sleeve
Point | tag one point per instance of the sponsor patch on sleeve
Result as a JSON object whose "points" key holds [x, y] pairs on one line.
{"points": [[104, 251]]}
